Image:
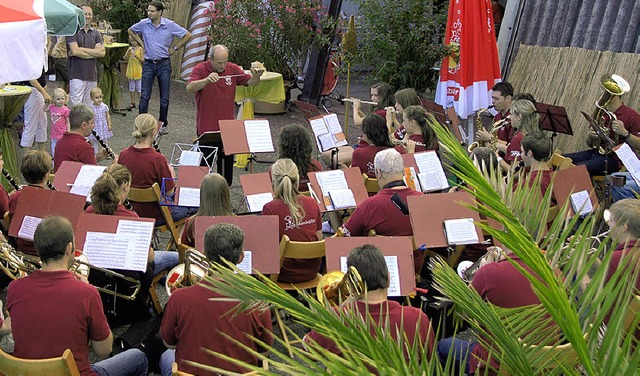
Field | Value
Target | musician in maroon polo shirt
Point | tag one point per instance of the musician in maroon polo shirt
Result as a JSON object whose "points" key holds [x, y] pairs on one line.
{"points": [[193, 320], [624, 225], [535, 151], [379, 212], [73, 145], [406, 324]]}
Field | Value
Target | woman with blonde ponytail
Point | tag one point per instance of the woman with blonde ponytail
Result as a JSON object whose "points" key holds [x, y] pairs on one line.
{"points": [[300, 219], [110, 191], [149, 166]]}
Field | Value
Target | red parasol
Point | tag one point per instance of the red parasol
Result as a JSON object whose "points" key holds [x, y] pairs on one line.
{"points": [[472, 68]]}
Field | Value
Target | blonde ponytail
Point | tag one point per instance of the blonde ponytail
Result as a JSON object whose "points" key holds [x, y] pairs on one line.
{"points": [[285, 178]]}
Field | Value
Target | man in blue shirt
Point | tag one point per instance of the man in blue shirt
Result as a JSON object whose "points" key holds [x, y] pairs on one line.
{"points": [[158, 34]]}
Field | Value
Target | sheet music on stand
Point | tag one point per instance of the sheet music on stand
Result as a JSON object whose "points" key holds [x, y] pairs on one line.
{"points": [[85, 180], [259, 136], [127, 248], [328, 132], [192, 154], [461, 231], [257, 201], [331, 181], [431, 174], [629, 159]]}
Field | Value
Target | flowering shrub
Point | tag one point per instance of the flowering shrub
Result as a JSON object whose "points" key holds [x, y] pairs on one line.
{"points": [[400, 41], [278, 33]]}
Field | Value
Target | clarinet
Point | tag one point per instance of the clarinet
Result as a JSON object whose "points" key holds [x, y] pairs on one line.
{"points": [[50, 186], [104, 145], [13, 183]]}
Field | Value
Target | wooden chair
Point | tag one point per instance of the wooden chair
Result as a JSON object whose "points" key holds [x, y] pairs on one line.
{"points": [[370, 184], [153, 194], [65, 365], [298, 250], [559, 161], [175, 372]]}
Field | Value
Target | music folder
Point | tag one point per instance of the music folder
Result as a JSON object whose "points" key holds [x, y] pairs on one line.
{"points": [[115, 242], [428, 214], [397, 251], [246, 136], [261, 240], [257, 190], [34, 204], [327, 132], [188, 185], [354, 181], [428, 171], [572, 180]]}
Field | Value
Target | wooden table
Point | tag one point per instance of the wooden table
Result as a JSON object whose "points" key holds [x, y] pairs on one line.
{"points": [[12, 99]]}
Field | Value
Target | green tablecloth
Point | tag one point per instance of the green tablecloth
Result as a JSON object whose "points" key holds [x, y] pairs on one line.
{"points": [[110, 79], [269, 90], [12, 99]]}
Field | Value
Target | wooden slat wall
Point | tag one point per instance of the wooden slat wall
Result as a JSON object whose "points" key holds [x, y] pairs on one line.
{"points": [[570, 77], [180, 12]]}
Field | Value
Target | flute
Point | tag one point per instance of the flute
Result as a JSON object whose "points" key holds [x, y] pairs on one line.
{"points": [[13, 183], [352, 100], [404, 142], [104, 145]]}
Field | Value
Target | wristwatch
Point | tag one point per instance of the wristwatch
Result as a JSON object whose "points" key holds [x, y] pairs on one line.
{"points": [[626, 136]]}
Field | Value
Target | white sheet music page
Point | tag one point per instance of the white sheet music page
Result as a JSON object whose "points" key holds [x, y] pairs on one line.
{"points": [[189, 196], [460, 231], [247, 263], [342, 198], [107, 250], [319, 128], [394, 273], [85, 180], [630, 160], [432, 181], [428, 162], [326, 142], [190, 158], [259, 136], [332, 122], [581, 202], [28, 227], [256, 202], [331, 181], [139, 235]]}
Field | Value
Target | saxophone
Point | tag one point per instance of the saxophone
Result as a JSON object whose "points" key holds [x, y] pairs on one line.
{"points": [[495, 127]]}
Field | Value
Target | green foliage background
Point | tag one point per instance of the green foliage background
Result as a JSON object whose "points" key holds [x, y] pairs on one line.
{"points": [[400, 41]]}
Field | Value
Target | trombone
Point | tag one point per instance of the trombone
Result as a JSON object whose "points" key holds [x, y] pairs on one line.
{"points": [[81, 266]]}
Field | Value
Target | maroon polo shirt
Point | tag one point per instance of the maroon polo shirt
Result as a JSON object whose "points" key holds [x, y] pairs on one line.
{"points": [[120, 211], [4, 201], [193, 322], [364, 155], [513, 149], [73, 147], [297, 270], [619, 253], [507, 132], [53, 311], [147, 166], [216, 101], [409, 323]]}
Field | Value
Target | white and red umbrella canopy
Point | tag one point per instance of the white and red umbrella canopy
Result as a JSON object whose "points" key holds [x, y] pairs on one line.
{"points": [[469, 72], [24, 25]]}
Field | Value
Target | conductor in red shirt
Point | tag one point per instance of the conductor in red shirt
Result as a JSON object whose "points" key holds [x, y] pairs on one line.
{"points": [[214, 83]]}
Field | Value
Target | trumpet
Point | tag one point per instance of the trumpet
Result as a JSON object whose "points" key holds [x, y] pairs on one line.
{"points": [[104, 145], [81, 266], [196, 266], [335, 288]]}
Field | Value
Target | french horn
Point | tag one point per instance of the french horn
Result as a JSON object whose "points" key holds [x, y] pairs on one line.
{"points": [[196, 266]]}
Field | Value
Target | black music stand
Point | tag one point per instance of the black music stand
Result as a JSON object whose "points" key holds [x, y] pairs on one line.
{"points": [[554, 119]]}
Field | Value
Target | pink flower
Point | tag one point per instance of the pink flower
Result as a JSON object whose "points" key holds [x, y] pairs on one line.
{"points": [[252, 35], [259, 45]]}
